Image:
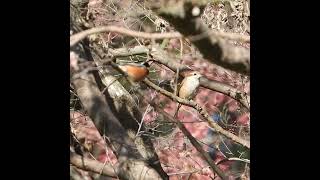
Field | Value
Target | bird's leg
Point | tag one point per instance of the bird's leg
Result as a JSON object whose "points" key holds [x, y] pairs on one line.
{"points": [[176, 92], [176, 113], [134, 87]]}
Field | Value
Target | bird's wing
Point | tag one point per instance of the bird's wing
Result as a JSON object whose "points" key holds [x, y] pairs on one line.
{"points": [[180, 85]]}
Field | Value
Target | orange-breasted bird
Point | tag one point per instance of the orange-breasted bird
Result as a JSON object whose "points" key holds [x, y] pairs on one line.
{"points": [[189, 87], [135, 72]]}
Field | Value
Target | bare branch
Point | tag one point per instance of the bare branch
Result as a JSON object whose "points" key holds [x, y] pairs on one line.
{"points": [[81, 35], [228, 90], [193, 141], [91, 165], [120, 52], [234, 159]]}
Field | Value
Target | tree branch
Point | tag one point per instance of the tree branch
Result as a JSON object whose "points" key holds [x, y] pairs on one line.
{"points": [[193, 141], [81, 35], [228, 90], [91, 165], [234, 159]]}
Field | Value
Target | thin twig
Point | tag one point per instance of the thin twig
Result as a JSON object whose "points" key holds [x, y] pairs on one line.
{"points": [[107, 153], [140, 124], [234, 159], [190, 172]]}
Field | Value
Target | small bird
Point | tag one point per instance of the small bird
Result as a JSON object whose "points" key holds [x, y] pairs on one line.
{"points": [[135, 72], [189, 87]]}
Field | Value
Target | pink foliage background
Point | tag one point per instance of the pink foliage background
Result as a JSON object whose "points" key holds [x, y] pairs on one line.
{"points": [[175, 152]]}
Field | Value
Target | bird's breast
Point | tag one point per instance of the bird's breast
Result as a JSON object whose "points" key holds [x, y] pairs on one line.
{"points": [[135, 73], [188, 88]]}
